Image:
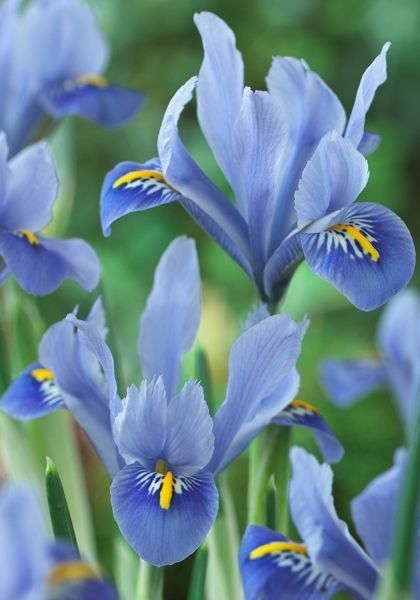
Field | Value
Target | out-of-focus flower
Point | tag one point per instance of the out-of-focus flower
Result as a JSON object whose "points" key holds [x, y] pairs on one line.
{"points": [[28, 189], [295, 167], [329, 558], [52, 56], [397, 364], [33, 567]]}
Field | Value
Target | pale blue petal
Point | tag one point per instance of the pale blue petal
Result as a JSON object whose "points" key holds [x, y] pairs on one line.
{"points": [[332, 179], [346, 381], [370, 271], [163, 536], [82, 262], [169, 323], [330, 545], [258, 313], [372, 78], [219, 92], [370, 141], [260, 360], [373, 510], [281, 266]]}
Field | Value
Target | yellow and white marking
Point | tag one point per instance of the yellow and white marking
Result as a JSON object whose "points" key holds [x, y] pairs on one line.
{"points": [[165, 484], [71, 571], [47, 386], [148, 181], [276, 547], [30, 237], [355, 238], [92, 79]]}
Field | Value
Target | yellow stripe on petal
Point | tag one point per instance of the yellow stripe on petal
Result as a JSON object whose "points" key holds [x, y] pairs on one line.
{"points": [[29, 237], [166, 491], [137, 175], [304, 405], [355, 234], [71, 571], [42, 374], [92, 79], [277, 547]]}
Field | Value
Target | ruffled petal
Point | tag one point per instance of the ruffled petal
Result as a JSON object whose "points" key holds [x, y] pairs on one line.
{"points": [[219, 92], [132, 187], [93, 98], [330, 545], [273, 566], [307, 416], [332, 179], [372, 78], [164, 526], [32, 190], [368, 254], [169, 323], [346, 381], [34, 393], [260, 362]]}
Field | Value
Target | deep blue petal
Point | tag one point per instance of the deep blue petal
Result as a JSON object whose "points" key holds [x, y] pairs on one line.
{"points": [[281, 266], [346, 381], [169, 323], [163, 536], [305, 415], [132, 187], [106, 104], [269, 572], [34, 393], [368, 256]]}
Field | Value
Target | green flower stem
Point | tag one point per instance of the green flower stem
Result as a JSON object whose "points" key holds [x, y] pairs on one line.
{"points": [[198, 577], [150, 582], [57, 504]]}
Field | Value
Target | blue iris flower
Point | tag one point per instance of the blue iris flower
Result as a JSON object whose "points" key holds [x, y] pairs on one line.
{"points": [[159, 443], [52, 56], [397, 365], [295, 166], [329, 558], [28, 189], [33, 566]]}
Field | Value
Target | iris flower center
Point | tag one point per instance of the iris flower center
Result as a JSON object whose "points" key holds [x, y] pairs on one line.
{"points": [[29, 237]]}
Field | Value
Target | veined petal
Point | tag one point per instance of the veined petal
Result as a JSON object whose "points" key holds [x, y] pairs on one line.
{"points": [[372, 78], [307, 416], [310, 110], [260, 361], [132, 187], [346, 381], [368, 255], [258, 146], [373, 510], [34, 393], [32, 190], [184, 175], [332, 179], [219, 92], [163, 527], [82, 262], [329, 542], [94, 98], [170, 321], [273, 566]]}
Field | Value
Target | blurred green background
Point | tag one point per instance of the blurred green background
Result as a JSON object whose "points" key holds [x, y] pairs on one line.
{"points": [[156, 48]]}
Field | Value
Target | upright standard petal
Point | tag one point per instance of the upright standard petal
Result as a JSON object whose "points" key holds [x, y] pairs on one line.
{"points": [[332, 179], [329, 542], [219, 92], [132, 187], [273, 566], [373, 510], [94, 98], [184, 175], [34, 393], [260, 361], [163, 533], [372, 78], [302, 414], [170, 321], [367, 254], [31, 192], [346, 381]]}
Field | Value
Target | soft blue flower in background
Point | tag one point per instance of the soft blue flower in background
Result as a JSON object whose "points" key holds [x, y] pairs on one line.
{"points": [[28, 189], [163, 448], [52, 56], [329, 559], [295, 167], [397, 364], [33, 566]]}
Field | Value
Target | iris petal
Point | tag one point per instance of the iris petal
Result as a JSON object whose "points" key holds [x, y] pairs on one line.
{"points": [[162, 535]]}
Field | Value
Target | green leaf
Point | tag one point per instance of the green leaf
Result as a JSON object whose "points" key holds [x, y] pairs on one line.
{"points": [[202, 373], [198, 577], [59, 512]]}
